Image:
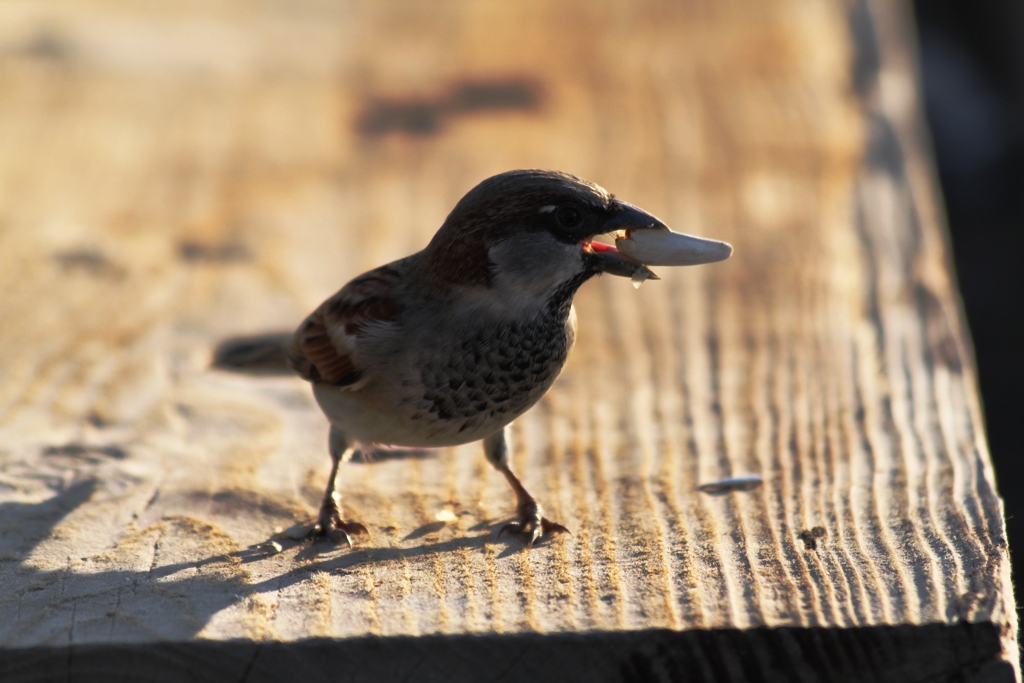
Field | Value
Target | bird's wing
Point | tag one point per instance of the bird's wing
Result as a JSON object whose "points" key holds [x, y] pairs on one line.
{"points": [[323, 346]]}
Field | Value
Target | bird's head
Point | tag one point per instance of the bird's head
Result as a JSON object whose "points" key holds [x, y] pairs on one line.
{"points": [[529, 234]]}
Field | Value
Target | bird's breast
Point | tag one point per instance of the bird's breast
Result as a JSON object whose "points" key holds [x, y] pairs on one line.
{"points": [[458, 382], [497, 371]]}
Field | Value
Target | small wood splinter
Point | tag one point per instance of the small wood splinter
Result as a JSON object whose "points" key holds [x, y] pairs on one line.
{"points": [[746, 482]]}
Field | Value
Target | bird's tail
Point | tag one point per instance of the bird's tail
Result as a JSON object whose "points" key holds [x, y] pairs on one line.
{"points": [[261, 354]]}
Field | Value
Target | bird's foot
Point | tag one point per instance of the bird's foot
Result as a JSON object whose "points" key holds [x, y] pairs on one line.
{"points": [[532, 524], [331, 526]]}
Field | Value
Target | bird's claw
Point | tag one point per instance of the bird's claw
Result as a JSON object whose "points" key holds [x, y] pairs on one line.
{"points": [[532, 524], [332, 527]]}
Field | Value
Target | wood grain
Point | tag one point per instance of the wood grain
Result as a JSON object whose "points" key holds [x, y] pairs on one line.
{"points": [[173, 175]]}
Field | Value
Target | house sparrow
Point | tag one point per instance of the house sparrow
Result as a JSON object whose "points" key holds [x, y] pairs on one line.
{"points": [[451, 344]]}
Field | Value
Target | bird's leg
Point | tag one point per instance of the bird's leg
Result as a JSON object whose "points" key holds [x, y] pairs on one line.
{"points": [[531, 522], [330, 524]]}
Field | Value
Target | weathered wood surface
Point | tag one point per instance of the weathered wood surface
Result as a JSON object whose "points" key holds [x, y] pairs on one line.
{"points": [[174, 174]]}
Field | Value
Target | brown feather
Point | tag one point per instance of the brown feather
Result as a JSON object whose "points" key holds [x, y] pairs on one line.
{"points": [[366, 300]]}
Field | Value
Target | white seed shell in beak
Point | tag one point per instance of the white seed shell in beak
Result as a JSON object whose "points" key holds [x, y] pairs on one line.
{"points": [[662, 247]]}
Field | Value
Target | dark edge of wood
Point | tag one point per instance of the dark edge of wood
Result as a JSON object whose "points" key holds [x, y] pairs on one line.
{"points": [[964, 652], [884, 37]]}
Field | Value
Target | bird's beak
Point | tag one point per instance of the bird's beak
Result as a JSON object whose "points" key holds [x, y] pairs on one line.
{"points": [[643, 240], [629, 217]]}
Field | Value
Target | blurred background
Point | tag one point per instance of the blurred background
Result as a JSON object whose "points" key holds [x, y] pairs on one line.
{"points": [[972, 63], [179, 169]]}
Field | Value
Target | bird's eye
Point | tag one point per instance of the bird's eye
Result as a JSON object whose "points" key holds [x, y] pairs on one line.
{"points": [[568, 216]]}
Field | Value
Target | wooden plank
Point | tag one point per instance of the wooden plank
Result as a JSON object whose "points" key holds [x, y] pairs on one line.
{"points": [[174, 175]]}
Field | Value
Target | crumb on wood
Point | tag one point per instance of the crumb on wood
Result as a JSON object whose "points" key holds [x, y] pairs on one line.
{"points": [[77, 450], [270, 548], [426, 116], [87, 260], [746, 482], [198, 252], [810, 537]]}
